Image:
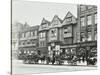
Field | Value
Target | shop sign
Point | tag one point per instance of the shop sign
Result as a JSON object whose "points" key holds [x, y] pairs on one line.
{"points": [[69, 46], [87, 44]]}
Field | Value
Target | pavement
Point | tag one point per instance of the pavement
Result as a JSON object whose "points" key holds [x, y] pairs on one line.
{"points": [[18, 68]]}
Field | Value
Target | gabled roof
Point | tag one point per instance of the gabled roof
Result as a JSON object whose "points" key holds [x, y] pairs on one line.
{"points": [[72, 19], [69, 14], [45, 21], [56, 16]]}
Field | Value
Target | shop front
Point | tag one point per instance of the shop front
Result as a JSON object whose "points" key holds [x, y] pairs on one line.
{"points": [[54, 48], [24, 51], [68, 52], [87, 52]]}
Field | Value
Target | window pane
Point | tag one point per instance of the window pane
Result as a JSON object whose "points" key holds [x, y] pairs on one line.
{"points": [[55, 22], [83, 38], [65, 30], [90, 7], [89, 36], [35, 33], [53, 33], [22, 34], [82, 21], [95, 18], [43, 35], [89, 20], [27, 34], [69, 19], [31, 33], [95, 35]]}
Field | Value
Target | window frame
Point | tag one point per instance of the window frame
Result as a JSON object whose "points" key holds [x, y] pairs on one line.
{"points": [[88, 36], [82, 21], [83, 37], [95, 18], [89, 20]]}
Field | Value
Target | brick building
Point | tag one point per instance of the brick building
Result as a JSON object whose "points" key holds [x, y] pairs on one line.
{"points": [[87, 28], [28, 41]]}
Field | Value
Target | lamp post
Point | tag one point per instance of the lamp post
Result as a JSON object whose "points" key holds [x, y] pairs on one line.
{"points": [[53, 52]]}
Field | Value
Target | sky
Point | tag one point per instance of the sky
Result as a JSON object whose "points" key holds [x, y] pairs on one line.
{"points": [[33, 12]]}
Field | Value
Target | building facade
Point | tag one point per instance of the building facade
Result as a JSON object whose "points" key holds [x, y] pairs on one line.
{"points": [[87, 24], [28, 41], [62, 35], [72, 36], [54, 39], [43, 36], [69, 38], [16, 28]]}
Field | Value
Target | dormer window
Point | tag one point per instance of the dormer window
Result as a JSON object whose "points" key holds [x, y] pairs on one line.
{"points": [[65, 30], [44, 25], [69, 19], [55, 22]]}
